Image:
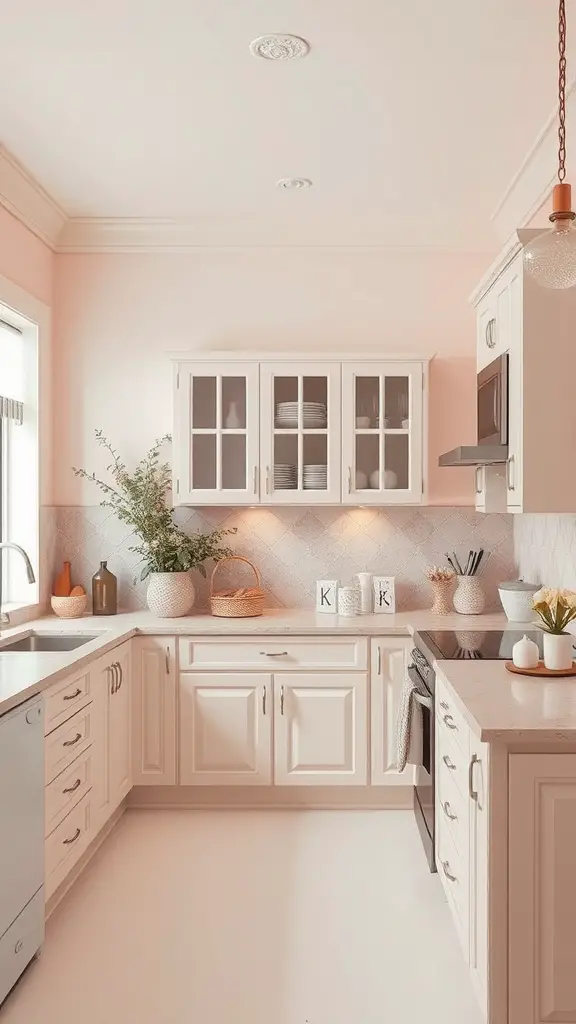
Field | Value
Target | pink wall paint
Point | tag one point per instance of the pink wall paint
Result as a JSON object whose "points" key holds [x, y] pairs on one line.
{"points": [[25, 259], [116, 317]]}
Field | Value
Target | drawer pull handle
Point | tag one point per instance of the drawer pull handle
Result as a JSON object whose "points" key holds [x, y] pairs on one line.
{"points": [[72, 696], [281, 700], [264, 700], [449, 764], [473, 794], [273, 654], [449, 721], [444, 705], [448, 811], [72, 789], [73, 838], [71, 743], [447, 872], [167, 661]]}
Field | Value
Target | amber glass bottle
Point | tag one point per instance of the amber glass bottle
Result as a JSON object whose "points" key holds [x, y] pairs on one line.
{"points": [[104, 591]]}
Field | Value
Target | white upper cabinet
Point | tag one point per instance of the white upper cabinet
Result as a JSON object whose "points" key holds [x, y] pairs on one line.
{"points": [[382, 437], [216, 455], [298, 431]]}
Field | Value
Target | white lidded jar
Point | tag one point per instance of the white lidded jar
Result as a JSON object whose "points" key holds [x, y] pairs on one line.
{"points": [[516, 597], [525, 653]]}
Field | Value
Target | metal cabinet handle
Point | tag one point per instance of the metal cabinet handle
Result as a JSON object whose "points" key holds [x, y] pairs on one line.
{"points": [[510, 478], [349, 479], [490, 335], [255, 479], [167, 661], [478, 479], [72, 696], [379, 661], [447, 872], [114, 677], [449, 721], [444, 705], [273, 654], [281, 700], [263, 700], [72, 743], [73, 838], [448, 811], [72, 789], [473, 794], [449, 764], [267, 479], [120, 675]]}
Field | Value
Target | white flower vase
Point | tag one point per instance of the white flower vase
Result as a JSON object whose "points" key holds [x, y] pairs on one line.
{"points": [[469, 597], [558, 651], [170, 594]]}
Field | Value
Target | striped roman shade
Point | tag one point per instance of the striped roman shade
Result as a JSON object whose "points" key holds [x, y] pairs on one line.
{"points": [[11, 373], [10, 409]]}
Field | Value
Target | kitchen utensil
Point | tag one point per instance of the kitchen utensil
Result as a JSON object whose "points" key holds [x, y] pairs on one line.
{"points": [[525, 653], [469, 563], [516, 597], [243, 602], [450, 562], [457, 564], [479, 557], [540, 671]]}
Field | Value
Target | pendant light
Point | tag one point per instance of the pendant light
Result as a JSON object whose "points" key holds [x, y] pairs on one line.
{"points": [[550, 258]]}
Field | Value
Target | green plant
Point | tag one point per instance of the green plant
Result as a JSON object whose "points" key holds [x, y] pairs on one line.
{"points": [[556, 608], [139, 500]]}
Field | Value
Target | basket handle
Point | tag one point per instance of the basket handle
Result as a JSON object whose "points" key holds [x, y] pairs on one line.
{"points": [[234, 558]]}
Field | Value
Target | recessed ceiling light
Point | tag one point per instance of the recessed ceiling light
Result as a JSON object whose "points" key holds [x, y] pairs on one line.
{"points": [[294, 183], [279, 47]]}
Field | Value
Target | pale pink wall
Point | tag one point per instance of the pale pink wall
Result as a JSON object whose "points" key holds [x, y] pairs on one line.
{"points": [[25, 259], [116, 317]]}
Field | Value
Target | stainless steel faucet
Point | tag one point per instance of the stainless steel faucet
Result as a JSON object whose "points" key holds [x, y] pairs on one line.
{"points": [[4, 617]]}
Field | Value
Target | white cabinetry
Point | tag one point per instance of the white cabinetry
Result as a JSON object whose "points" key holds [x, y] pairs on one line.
{"points": [[119, 728], [225, 729], [154, 676], [300, 430], [320, 729], [388, 673]]}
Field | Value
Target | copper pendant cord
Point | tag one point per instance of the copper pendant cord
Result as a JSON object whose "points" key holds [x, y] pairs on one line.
{"points": [[561, 91]]}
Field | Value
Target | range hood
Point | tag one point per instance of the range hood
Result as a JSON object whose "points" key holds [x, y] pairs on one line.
{"points": [[475, 455]]}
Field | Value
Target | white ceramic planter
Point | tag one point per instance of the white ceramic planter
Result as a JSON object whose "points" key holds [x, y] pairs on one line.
{"points": [[170, 594], [558, 650], [469, 597]]}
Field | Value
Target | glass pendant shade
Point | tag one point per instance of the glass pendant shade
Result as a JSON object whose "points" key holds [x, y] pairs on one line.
{"points": [[550, 258]]}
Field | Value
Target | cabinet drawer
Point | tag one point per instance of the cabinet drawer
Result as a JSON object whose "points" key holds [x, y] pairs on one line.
{"points": [[67, 843], [273, 655], [450, 721], [454, 877], [20, 943], [67, 790], [451, 757], [64, 699], [453, 812], [68, 741]]}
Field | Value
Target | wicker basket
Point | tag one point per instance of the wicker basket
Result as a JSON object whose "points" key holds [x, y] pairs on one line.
{"points": [[248, 602]]}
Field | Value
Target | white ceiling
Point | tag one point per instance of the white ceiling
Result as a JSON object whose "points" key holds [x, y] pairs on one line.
{"points": [[411, 119]]}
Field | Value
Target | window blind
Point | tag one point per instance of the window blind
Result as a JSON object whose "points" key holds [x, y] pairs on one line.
{"points": [[11, 373]]}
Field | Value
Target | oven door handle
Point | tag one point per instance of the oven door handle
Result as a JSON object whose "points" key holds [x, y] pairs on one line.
{"points": [[414, 676], [426, 702]]}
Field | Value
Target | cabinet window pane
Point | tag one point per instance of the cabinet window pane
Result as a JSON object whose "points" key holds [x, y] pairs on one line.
{"points": [[286, 402], [315, 399], [204, 402], [367, 402], [233, 462], [315, 456], [396, 461], [203, 462], [285, 462], [367, 462], [396, 402], [234, 403]]}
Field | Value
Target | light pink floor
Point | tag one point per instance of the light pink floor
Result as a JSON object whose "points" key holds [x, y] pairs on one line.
{"points": [[251, 917]]}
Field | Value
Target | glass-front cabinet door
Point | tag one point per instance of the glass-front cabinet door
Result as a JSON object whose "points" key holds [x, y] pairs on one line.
{"points": [[216, 434], [382, 441], [300, 433]]}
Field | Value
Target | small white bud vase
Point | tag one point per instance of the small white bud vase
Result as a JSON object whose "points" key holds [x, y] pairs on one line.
{"points": [[366, 594], [348, 601], [558, 651], [170, 594], [469, 597], [525, 653]]}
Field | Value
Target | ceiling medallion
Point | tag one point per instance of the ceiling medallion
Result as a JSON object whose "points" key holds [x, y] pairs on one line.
{"points": [[294, 183], [279, 47]]}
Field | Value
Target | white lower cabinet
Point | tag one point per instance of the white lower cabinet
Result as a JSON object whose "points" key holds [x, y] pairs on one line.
{"points": [[225, 729], [154, 678], [389, 659], [320, 731]]}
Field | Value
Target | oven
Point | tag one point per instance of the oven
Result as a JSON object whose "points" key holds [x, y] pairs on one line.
{"points": [[423, 676], [492, 402]]}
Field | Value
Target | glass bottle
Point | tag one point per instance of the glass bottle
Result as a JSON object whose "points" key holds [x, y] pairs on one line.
{"points": [[104, 590]]}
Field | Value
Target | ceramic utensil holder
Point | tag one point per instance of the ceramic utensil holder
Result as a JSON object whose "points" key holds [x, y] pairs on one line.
{"points": [[469, 596], [442, 591], [348, 601]]}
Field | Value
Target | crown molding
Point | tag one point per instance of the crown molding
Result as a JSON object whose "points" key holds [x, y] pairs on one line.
{"points": [[26, 200]]}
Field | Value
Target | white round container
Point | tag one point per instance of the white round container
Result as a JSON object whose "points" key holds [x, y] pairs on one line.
{"points": [[525, 653], [516, 597], [348, 601], [558, 651]]}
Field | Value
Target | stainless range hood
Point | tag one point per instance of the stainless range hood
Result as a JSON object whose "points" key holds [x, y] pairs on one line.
{"points": [[475, 455]]}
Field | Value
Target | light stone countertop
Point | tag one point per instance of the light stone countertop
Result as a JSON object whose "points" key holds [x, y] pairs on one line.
{"points": [[22, 675]]}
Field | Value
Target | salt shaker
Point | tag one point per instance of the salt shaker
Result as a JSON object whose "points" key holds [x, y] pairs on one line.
{"points": [[366, 594], [525, 653]]}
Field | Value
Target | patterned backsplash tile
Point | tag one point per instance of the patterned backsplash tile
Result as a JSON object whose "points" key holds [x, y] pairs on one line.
{"points": [[545, 547], [293, 547]]}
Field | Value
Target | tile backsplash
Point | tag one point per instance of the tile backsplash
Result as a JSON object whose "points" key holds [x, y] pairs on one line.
{"points": [[293, 547], [545, 547]]}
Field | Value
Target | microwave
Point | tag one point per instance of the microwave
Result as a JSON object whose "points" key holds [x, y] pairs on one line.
{"points": [[492, 402]]}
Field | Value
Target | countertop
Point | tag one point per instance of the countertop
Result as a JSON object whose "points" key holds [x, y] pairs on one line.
{"points": [[22, 675]]}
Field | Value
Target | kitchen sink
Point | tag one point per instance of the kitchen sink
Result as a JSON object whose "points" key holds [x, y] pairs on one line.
{"points": [[43, 642]]}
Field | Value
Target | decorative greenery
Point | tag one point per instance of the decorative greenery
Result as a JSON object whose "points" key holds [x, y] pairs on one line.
{"points": [[139, 500], [556, 608]]}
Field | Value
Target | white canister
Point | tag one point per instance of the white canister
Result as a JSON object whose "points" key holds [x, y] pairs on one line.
{"points": [[516, 597], [525, 653], [348, 601], [366, 594], [558, 651]]}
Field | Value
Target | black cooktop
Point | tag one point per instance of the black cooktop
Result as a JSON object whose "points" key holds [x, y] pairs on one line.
{"points": [[479, 644]]}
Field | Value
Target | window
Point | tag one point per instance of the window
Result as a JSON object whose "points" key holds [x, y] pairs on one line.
{"points": [[19, 503]]}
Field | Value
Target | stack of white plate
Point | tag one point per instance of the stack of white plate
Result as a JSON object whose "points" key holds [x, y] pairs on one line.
{"points": [[313, 415], [285, 477], [315, 478]]}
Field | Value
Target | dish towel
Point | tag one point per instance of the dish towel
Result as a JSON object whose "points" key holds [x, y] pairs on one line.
{"points": [[407, 741]]}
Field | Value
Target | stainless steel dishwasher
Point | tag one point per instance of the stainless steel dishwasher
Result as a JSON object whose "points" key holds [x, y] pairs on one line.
{"points": [[21, 839]]}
